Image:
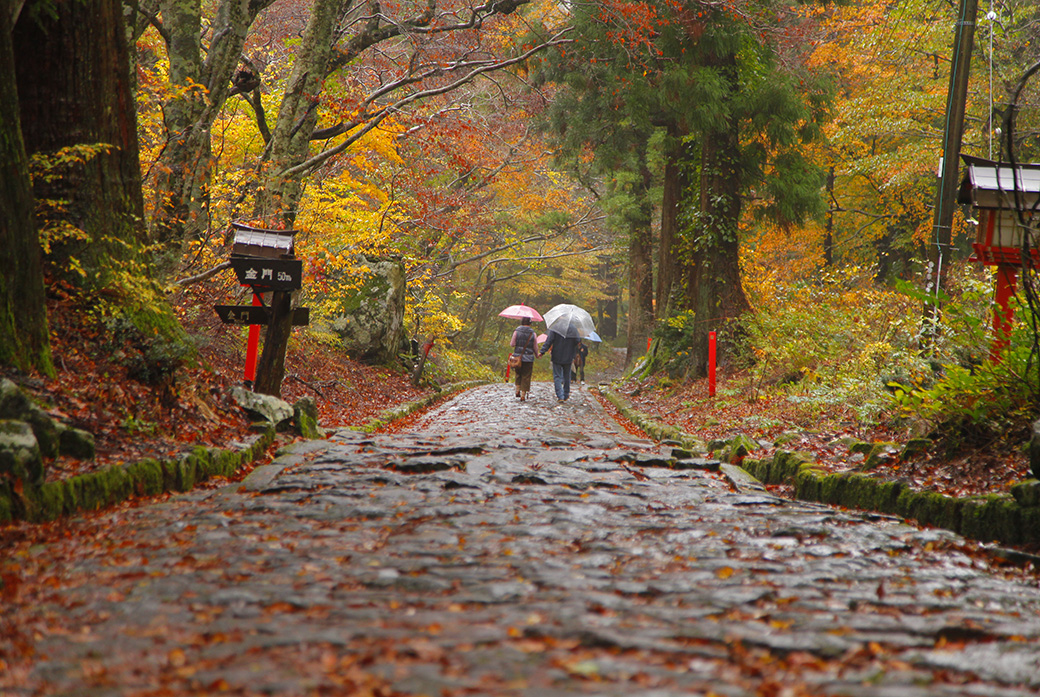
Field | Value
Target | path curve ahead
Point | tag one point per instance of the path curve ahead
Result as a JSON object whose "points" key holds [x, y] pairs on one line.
{"points": [[518, 549]]}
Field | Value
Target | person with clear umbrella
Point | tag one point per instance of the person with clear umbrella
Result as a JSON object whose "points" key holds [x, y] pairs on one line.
{"points": [[567, 324]]}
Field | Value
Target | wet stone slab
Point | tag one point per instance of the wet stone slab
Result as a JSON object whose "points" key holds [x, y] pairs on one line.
{"points": [[531, 549]]}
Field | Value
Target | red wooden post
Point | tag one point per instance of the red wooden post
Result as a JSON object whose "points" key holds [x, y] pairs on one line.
{"points": [[252, 345], [1003, 313], [711, 364]]}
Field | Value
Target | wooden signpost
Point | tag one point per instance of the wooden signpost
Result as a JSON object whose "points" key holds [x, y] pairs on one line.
{"points": [[269, 274], [265, 261], [258, 314]]}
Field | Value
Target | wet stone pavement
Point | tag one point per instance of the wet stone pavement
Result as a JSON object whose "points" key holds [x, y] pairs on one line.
{"points": [[531, 549]]}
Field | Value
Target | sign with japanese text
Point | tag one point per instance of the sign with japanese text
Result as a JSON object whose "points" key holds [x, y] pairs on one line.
{"points": [[269, 274], [252, 314]]}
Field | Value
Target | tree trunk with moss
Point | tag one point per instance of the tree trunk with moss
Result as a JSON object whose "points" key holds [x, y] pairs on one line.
{"points": [[24, 339], [278, 199], [714, 289], [201, 81], [79, 119], [640, 274]]}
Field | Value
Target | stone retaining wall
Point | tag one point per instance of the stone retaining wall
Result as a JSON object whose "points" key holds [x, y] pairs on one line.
{"points": [[1009, 519], [89, 492]]}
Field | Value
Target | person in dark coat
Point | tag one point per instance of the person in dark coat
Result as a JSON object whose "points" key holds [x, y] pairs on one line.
{"points": [[525, 344], [579, 361], [563, 349]]}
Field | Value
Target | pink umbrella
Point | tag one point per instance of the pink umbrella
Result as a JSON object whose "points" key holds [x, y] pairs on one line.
{"points": [[541, 338], [520, 311]]}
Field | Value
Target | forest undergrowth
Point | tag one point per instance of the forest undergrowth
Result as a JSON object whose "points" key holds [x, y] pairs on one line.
{"points": [[836, 357], [825, 431], [113, 385]]}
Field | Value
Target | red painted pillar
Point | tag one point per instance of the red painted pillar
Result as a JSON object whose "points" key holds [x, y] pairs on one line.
{"points": [[1003, 314], [252, 345], [711, 364]]}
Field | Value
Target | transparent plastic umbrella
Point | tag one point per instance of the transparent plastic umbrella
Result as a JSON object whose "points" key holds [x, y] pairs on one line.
{"points": [[570, 320]]}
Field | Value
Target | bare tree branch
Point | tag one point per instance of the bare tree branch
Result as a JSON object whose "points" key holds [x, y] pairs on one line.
{"points": [[374, 118], [204, 275]]}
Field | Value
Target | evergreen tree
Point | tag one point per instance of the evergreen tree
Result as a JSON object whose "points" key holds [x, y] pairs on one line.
{"points": [[732, 119]]}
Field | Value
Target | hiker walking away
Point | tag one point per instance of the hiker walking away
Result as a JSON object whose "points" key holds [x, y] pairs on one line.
{"points": [[563, 350], [580, 355], [525, 344]]}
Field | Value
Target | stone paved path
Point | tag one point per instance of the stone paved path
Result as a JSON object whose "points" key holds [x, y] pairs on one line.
{"points": [[519, 549]]}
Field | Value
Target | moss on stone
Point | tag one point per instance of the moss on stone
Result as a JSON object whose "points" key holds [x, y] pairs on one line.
{"points": [[947, 511], [807, 482], [759, 468], [860, 492], [205, 464], [97, 489], [738, 447], [887, 496], [929, 508], [305, 416], [183, 473], [832, 488], [147, 477], [1027, 493], [77, 443], [787, 465], [1030, 520], [227, 462], [915, 447], [992, 518], [862, 447], [879, 453], [48, 502]]}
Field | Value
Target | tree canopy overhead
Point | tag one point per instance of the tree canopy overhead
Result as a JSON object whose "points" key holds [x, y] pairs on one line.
{"points": [[680, 145]]}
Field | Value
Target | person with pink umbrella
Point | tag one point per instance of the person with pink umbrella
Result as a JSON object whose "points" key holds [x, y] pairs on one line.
{"points": [[525, 346]]}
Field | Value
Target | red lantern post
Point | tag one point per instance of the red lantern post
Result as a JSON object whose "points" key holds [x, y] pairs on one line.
{"points": [[1001, 197]]}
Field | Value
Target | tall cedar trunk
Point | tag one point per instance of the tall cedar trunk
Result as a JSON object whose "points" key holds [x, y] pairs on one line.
{"points": [[640, 276], [201, 82], [715, 291], [607, 309], [666, 257], [73, 78], [24, 338]]}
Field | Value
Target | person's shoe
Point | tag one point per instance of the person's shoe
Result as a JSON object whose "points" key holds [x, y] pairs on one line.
{"points": [[582, 382], [518, 393]]}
